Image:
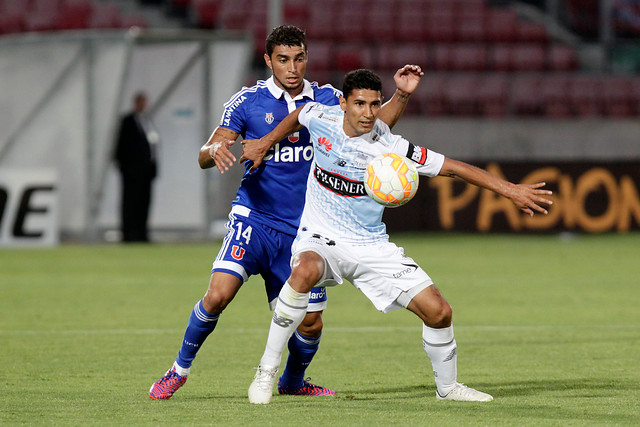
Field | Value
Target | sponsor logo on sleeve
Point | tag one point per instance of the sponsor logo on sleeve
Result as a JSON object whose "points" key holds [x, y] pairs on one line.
{"points": [[417, 154]]}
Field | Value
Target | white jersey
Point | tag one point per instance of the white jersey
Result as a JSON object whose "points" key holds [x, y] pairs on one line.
{"points": [[336, 204]]}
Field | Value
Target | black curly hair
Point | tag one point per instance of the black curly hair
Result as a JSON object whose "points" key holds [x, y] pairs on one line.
{"points": [[285, 35]]}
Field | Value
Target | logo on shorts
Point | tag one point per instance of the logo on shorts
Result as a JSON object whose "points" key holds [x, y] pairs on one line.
{"points": [[268, 118], [410, 269], [237, 252]]}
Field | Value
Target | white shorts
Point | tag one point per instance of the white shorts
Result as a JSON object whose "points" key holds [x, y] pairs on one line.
{"points": [[380, 270]]}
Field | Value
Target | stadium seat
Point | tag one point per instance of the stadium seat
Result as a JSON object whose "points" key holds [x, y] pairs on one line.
{"points": [[555, 92], [501, 25], [296, 13], [617, 96], [321, 55], [492, 92], [460, 94], [500, 57], [105, 15], [531, 32], [469, 57], [206, 13], [321, 21], [43, 15], [430, 95], [525, 97], [585, 93], [352, 56], [350, 25], [391, 56], [528, 57], [471, 27], [75, 14], [411, 26], [437, 27], [561, 58], [380, 27]]}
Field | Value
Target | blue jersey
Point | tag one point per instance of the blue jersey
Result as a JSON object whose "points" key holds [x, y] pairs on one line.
{"points": [[276, 191]]}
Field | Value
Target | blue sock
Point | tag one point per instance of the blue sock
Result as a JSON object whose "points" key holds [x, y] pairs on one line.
{"points": [[201, 324], [301, 352]]}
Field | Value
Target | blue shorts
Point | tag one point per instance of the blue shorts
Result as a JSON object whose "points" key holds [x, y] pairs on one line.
{"points": [[251, 248]]}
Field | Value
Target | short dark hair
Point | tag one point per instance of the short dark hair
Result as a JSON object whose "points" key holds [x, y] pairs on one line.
{"points": [[285, 35], [360, 79]]}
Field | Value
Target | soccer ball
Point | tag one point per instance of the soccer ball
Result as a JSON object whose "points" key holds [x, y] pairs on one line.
{"points": [[391, 180]]}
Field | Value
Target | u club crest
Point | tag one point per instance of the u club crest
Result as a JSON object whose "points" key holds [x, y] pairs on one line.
{"points": [[268, 118]]}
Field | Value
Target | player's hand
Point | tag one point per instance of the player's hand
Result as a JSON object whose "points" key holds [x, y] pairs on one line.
{"points": [[408, 77], [254, 150], [529, 198], [219, 152]]}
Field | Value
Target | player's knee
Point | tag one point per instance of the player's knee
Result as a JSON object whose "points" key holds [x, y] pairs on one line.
{"points": [[441, 318], [215, 300], [307, 268], [311, 325]]}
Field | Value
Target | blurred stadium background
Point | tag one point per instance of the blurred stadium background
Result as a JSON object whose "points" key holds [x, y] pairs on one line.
{"points": [[534, 90]]}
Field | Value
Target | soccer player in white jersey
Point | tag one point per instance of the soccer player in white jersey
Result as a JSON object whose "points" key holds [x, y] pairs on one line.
{"points": [[342, 236], [261, 227]]}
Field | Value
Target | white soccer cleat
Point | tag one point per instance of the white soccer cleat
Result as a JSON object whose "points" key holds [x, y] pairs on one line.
{"points": [[261, 389], [462, 393]]}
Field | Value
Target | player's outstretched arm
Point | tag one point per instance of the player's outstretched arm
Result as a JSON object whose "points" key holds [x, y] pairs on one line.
{"points": [[255, 149], [528, 198], [215, 152], [406, 79]]}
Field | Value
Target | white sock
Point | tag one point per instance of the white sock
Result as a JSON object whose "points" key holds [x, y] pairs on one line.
{"points": [[290, 309], [441, 348], [183, 372]]}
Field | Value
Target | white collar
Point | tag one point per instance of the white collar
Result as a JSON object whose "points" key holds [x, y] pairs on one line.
{"points": [[277, 91]]}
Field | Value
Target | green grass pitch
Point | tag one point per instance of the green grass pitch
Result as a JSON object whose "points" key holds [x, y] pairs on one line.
{"points": [[549, 325]]}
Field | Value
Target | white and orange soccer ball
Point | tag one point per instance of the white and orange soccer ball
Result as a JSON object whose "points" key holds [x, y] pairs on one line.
{"points": [[391, 180]]}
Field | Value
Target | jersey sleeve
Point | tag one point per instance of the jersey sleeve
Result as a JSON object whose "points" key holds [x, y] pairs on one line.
{"points": [[307, 112], [234, 116], [427, 162]]}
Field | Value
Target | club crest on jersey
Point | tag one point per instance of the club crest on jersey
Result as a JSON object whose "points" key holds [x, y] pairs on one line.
{"points": [[237, 252], [294, 137], [268, 118]]}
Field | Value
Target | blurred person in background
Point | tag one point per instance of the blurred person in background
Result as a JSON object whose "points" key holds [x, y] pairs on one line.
{"points": [[136, 157]]}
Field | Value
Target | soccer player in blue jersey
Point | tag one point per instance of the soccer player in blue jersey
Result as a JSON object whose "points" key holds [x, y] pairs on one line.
{"points": [[261, 226], [342, 236]]}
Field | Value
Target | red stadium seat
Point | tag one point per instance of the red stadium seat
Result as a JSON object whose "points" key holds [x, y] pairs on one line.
{"points": [[531, 32], [492, 93], [460, 94], [528, 57], [525, 97], [617, 94], [380, 27], [391, 56], [105, 15], [561, 58], [321, 55], [321, 21], [502, 25], [439, 27], [206, 13], [555, 92], [471, 27], [500, 57], [43, 15], [352, 56], [430, 95], [469, 57], [586, 95], [296, 13], [411, 26], [75, 14], [350, 25]]}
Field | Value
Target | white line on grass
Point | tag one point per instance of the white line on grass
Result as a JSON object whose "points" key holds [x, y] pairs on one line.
{"points": [[329, 329]]}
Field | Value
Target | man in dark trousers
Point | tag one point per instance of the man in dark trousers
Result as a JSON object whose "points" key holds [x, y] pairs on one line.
{"points": [[136, 157]]}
